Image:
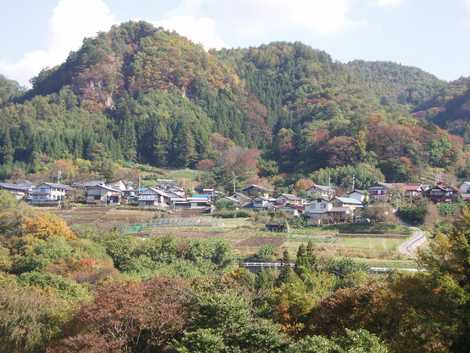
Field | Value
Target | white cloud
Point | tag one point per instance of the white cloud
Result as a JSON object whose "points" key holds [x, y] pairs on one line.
{"points": [[201, 30], [388, 3], [71, 21], [256, 18], [209, 22]]}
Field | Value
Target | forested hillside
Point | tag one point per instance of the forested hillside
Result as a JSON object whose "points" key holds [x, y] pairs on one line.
{"points": [[138, 93], [450, 108], [397, 84]]}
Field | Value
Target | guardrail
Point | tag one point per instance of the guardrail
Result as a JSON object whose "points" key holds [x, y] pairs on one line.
{"points": [[261, 265]]}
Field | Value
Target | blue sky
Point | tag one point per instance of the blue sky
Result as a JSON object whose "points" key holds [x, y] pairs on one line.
{"points": [[430, 34]]}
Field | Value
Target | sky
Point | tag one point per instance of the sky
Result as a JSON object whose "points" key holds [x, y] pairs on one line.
{"points": [[429, 34]]}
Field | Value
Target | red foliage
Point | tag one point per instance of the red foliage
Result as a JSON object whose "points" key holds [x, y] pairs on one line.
{"points": [[241, 161], [205, 165], [342, 150], [129, 317], [320, 135]]}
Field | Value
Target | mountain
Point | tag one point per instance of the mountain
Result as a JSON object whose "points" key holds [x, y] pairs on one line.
{"points": [[142, 93]]}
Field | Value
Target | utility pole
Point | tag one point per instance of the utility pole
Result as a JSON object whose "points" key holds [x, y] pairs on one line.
{"points": [[354, 183], [59, 174], [234, 182]]}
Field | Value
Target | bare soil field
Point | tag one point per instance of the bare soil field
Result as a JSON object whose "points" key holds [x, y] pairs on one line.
{"points": [[104, 217]]}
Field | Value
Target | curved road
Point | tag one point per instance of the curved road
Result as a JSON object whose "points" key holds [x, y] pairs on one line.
{"points": [[411, 246]]}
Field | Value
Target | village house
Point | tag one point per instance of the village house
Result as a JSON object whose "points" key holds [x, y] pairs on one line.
{"points": [[291, 210], [49, 194], [289, 199], [359, 195], [101, 194], [126, 188], [347, 202], [379, 192], [20, 191], [465, 190], [211, 193], [322, 191], [412, 191], [237, 199], [322, 211], [443, 193], [262, 203], [154, 197], [338, 210], [200, 202], [382, 192], [254, 190], [171, 187]]}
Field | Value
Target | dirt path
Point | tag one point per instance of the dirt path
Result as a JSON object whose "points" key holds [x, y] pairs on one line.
{"points": [[411, 246]]}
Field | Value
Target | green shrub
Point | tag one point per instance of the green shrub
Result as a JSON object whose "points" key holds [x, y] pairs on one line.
{"points": [[233, 214], [413, 214]]}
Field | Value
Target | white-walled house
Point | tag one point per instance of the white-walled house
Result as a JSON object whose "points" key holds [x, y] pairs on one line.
{"points": [[154, 197], [49, 194], [338, 210]]}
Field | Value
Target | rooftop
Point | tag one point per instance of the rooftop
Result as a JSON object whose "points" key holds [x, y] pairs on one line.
{"points": [[349, 200]]}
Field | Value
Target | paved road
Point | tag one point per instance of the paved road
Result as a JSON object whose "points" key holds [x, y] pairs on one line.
{"points": [[411, 246]]}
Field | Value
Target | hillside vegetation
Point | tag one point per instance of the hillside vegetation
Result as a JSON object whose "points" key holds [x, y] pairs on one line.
{"points": [[140, 93]]}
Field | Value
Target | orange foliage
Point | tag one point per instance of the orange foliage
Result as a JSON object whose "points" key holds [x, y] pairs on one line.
{"points": [[85, 270], [303, 184], [44, 226]]}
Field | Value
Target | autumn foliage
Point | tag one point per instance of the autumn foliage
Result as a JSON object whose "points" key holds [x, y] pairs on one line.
{"points": [[44, 226], [129, 317]]}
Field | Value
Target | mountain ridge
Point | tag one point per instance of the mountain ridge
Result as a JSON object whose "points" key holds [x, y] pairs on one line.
{"points": [[157, 98]]}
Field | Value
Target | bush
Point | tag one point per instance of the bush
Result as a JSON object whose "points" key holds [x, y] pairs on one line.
{"points": [[266, 253], [233, 214], [65, 288], [29, 319], [380, 212], [224, 204], [413, 214]]}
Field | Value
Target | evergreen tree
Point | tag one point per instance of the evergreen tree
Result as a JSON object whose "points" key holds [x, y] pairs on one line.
{"points": [[6, 148], [286, 270]]}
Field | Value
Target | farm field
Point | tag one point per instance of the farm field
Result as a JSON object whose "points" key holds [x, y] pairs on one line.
{"points": [[103, 217], [245, 236]]}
